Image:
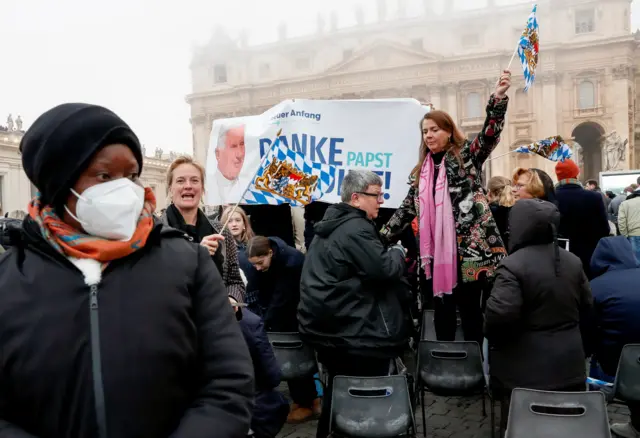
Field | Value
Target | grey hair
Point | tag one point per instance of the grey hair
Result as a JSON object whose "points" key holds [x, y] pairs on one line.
{"points": [[222, 135], [358, 181]]}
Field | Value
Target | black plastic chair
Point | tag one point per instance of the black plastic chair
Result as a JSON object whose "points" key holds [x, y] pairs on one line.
{"points": [[296, 359], [546, 414], [452, 369], [371, 407], [627, 383], [428, 329]]}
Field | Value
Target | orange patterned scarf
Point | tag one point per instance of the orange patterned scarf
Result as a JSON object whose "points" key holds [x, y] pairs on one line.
{"points": [[73, 243]]}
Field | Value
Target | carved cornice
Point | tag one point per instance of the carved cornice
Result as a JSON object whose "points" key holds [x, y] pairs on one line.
{"points": [[550, 77], [623, 71]]}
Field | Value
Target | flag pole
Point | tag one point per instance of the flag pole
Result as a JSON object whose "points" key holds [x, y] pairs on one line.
{"points": [[501, 155], [264, 158], [515, 52]]}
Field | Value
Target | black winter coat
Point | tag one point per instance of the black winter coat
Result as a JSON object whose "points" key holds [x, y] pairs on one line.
{"points": [[352, 288], [616, 300], [270, 409], [540, 295], [584, 221], [151, 349], [274, 294]]}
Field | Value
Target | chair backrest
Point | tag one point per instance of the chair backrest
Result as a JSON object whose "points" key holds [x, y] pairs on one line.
{"points": [[450, 368], [296, 359], [546, 414], [371, 407], [428, 329], [627, 385]]}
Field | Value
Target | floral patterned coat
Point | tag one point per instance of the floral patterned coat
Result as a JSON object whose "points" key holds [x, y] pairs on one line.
{"points": [[480, 247]]}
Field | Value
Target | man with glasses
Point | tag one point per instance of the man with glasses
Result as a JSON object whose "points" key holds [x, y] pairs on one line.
{"points": [[352, 289]]}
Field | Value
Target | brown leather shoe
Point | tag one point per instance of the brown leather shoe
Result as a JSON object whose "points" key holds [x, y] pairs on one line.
{"points": [[317, 407], [293, 407], [300, 415]]}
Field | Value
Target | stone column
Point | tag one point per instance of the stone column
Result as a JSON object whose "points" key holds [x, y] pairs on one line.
{"points": [[436, 97], [452, 101], [201, 128], [622, 80], [548, 108]]}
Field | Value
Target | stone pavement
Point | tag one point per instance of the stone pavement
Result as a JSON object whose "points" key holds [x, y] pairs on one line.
{"points": [[448, 417]]}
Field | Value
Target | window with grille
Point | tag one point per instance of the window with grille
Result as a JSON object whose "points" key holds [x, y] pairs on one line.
{"points": [[220, 74], [470, 40], [585, 21], [303, 63], [586, 95], [265, 70], [474, 105]]}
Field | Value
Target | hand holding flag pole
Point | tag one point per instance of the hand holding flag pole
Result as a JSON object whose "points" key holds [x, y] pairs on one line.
{"points": [[264, 157]]}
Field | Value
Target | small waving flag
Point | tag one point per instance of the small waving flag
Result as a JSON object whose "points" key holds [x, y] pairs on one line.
{"points": [[528, 48], [552, 148], [288, 177]]}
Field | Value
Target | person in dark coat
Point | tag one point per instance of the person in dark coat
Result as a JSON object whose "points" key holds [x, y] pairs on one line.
{"points": [[617, 306], [273, 292], [532, 317], [116, 326], [500, 197], [270, 407], [351, 290], [186, 182], [584, 218]]}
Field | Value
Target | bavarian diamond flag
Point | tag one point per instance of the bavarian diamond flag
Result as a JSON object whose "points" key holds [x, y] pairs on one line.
{"points": [[529, 49], [288, 177]]}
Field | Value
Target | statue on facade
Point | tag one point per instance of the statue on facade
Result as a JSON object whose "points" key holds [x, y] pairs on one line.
{"points": [[359, 15], [615, 151], [320, 22], [333, 18], [19, 123], [158, 154], [172, 156], [382, 10], [402, 8], [144, 151], [10, 126], [578, 156]]}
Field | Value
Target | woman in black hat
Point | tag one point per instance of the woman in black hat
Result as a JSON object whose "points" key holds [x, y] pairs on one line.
{"points": [[111, 324]]}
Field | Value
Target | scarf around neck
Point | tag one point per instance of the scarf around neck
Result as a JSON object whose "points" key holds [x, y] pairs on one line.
{"points": [[76, 244], [197, 232], [437, 229]]}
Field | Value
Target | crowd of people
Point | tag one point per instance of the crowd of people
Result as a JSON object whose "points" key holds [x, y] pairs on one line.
{"points": [[117, 320]]}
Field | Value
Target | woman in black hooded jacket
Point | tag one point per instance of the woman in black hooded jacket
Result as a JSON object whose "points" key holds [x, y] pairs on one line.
{"points": [[532, 317]]}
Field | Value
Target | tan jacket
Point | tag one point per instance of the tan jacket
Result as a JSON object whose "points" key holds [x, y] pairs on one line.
{"points": [[629, 216]]}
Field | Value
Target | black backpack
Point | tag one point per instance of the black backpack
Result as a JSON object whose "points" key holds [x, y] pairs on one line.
{"points": [[7, 228]]}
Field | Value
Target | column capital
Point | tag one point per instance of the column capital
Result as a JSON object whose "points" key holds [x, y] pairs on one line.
{"points": [[622, 71]]}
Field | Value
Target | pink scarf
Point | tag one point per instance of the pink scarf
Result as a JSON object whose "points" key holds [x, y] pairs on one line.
{"points": [[437, 229]]}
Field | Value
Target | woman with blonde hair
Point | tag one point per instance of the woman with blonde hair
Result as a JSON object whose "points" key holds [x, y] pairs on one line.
{"points": [[185, 183], [533, 183], [501, 200], [459, 241]]}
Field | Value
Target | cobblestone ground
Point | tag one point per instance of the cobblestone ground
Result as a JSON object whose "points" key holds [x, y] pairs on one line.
{"points": [[448, 417]]}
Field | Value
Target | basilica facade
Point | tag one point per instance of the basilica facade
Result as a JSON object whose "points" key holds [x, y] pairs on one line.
{"points": [[585, 88]]}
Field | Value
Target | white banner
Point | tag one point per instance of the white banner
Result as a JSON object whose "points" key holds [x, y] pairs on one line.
{"points": [[379, 135]]}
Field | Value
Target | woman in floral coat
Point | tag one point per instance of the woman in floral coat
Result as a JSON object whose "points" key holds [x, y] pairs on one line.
{"points": [[459, 243]]}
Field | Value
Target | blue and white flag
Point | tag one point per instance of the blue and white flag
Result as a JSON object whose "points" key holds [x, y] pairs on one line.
{"points": [[552, 148], [529, 48], [288, 177]]}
